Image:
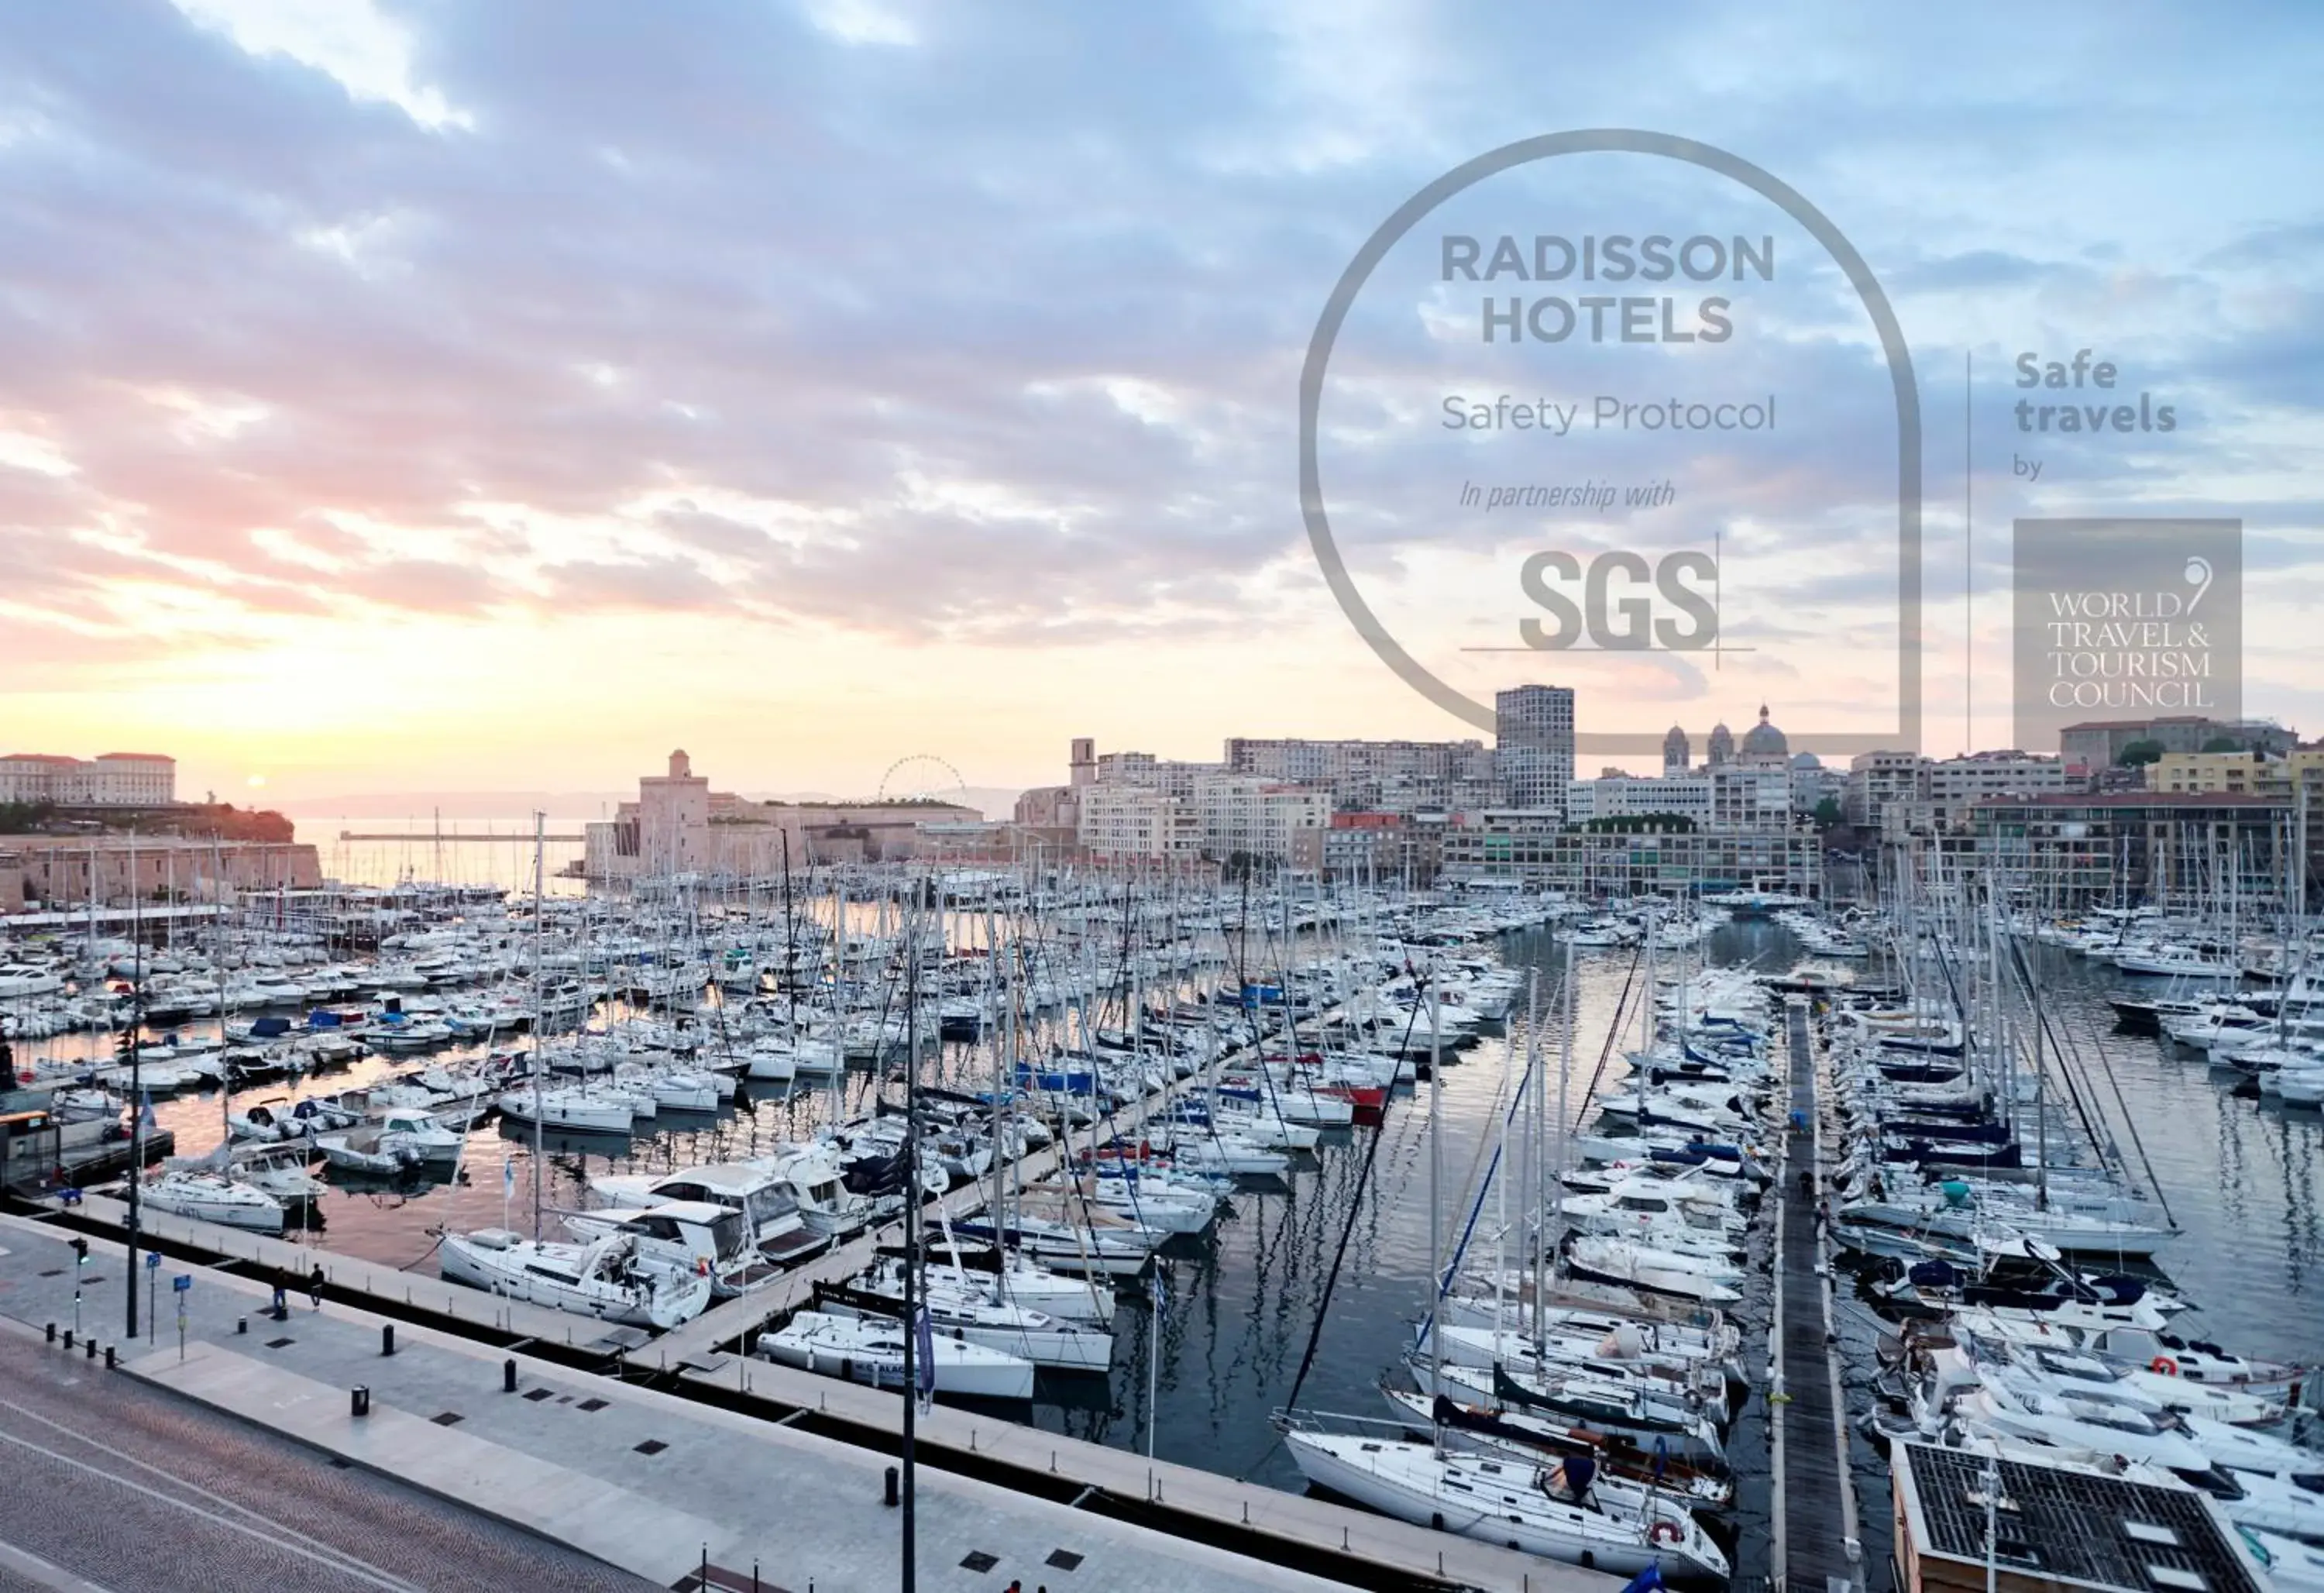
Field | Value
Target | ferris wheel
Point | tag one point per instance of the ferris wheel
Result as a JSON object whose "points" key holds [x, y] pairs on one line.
{"points": [[923, 777]]}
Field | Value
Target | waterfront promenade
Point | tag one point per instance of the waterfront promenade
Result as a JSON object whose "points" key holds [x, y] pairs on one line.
{"points": [[652, 1482]]}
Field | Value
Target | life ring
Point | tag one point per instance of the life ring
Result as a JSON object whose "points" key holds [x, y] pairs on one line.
{"points": [[2164, 1365], [1666, 1532]]}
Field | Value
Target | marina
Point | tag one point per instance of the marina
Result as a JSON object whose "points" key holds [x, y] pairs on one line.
{"points": [[1291, 1291]]}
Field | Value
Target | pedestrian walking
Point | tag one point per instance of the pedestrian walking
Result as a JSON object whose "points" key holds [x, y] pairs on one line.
{"points": [[315, 1287]]}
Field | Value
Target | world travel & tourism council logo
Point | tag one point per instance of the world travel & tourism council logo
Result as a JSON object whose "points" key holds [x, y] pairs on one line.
{"points": [[1557, 427], [2125, 618]]}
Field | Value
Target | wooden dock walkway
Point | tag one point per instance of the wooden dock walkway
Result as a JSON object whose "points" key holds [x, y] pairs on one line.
{"points": [[1816, 1546]]}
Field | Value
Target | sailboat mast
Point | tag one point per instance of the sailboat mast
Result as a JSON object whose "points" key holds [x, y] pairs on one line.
{"points": [[136, 1077], [1564, 1072], [790, 943], [540, 1040], [218, 971], [1435, 1198], [1537, 1184], [912, 1258]]}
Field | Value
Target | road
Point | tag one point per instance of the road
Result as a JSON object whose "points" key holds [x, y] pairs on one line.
{"points": [[109, 1487]]}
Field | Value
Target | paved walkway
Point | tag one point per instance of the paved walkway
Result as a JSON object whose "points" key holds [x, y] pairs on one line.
{"points": [[113, 1487], [652, 1482]]}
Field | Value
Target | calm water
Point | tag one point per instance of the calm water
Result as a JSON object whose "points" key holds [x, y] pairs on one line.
{"points": [[1242, 1301], [452, 851]]}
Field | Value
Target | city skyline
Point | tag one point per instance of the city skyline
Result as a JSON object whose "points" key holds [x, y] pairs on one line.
{"points": [[818, 386]]}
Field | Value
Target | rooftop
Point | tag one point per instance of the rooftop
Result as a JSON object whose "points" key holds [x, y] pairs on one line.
{"points": [[2135, 799], [2077, 1526], [2169, 719]]}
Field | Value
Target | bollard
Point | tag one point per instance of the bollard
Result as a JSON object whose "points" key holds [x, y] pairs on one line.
{"points": [[387, 1338], [242, 1324], [109, 1358], [895, 1492], [52, 1332], [89, 1346], [508, 1376], [359, 1400], [69, 1339]]}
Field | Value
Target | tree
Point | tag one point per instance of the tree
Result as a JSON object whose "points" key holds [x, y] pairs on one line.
{"points": [[2140, 753], [2223, 744], [23, 818], [1827, 813]]}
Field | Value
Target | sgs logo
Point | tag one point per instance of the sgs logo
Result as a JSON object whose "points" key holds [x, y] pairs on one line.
{"points": [[1617, 610]]}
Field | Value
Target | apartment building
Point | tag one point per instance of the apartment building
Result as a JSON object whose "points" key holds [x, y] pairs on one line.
{"points": [[1532, 846], [1373, 776], [1878, 782], [1958, 784], [1120, 822], [1533, 746]]}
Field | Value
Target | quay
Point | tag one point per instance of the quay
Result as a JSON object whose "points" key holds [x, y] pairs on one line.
{"points": [[1816, 1546], [686, 1492], [439, 837]]}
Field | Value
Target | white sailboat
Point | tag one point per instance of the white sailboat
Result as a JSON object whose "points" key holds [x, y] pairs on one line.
{"points": [[1505, 1502], [214, 1197], [869, 1349], [609, 1279]]}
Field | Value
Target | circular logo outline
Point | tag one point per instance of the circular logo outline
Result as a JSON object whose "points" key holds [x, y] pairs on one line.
{"points": [[1621, 141]]}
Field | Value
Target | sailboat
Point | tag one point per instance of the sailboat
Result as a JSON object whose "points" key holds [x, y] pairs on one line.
{"points": [[610, 1278], [1552, 1508], [870, 1349]]}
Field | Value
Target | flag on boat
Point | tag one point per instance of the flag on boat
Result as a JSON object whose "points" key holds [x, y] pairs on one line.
{"points": [[1647, 1580], [146, 1109], [1159, 1291], [508, 1178]]}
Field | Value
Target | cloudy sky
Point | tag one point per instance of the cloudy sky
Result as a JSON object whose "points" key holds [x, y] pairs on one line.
{"points": [[415, 395]]}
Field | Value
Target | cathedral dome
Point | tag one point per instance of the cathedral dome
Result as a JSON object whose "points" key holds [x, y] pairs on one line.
{"points": [[1763, 740]]}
